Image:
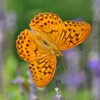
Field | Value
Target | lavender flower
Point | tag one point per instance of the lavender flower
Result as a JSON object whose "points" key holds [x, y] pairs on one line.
{"points": [[19, 80], [94, 63], [32, 95], [74, 77]]}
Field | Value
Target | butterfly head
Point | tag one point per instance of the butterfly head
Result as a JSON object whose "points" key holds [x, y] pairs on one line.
{"points": [[54, 50], [58, 53]]}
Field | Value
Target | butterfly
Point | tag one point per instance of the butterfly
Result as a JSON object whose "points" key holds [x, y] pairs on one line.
{"points": [[41, 45]]}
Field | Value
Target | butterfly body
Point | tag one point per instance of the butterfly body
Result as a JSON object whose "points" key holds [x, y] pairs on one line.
{"points": [[43, 41], [49, 37]]}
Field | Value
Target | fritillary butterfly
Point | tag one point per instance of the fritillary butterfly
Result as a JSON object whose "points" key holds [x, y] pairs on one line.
{"points": [[43, 43]]}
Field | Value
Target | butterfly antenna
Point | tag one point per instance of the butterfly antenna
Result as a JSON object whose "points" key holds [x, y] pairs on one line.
{"points": [[63, 64], [76, 50]]}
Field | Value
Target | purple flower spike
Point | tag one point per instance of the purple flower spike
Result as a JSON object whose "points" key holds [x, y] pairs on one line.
{"points": [[94, 64]]}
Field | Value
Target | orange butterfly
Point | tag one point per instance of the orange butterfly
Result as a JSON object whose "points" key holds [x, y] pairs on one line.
{"points": [[41, 45]]}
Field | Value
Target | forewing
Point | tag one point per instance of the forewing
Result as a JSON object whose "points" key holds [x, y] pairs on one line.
{"points": [[43, 70], [48, 25], [42, 64], [73, 33], [27, 47]]}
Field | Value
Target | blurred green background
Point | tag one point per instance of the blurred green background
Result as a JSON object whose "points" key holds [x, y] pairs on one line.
{"points": [[15, 81]]}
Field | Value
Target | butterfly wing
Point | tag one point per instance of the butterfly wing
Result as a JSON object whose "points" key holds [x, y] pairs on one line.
{"points": [[64, 35], [48, 25], [26, 46], [73, 33], [43, 70], [42, 64]]}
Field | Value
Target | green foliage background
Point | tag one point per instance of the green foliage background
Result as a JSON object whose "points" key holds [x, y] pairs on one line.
{"points": [[25, 11]]}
